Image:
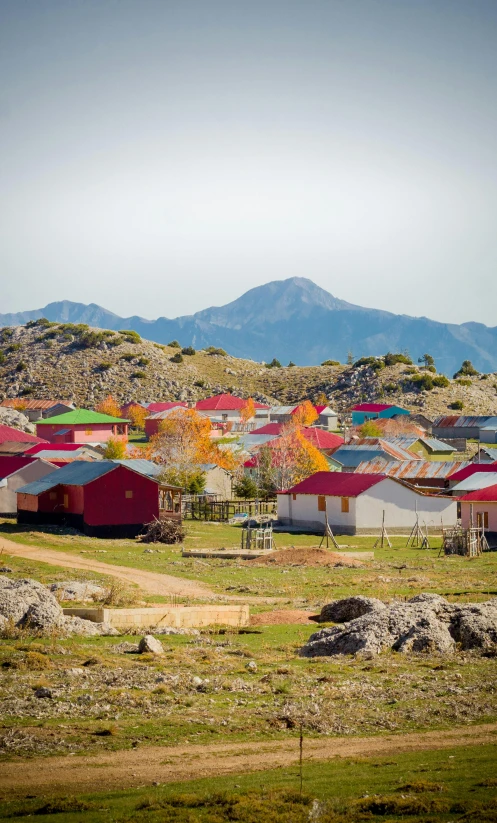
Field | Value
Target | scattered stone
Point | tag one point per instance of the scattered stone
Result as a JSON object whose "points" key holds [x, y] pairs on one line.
{"points": [[81, 591], [341, 611], [5, 570], [150, 645], [427, 623], [42, 692], [251, 666]]}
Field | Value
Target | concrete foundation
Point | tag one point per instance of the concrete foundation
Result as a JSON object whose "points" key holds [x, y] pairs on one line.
{"points": [[180, 617]]}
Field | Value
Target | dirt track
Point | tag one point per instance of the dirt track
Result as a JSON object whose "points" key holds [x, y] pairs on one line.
{"points": [[144, 766], [151, 582]]}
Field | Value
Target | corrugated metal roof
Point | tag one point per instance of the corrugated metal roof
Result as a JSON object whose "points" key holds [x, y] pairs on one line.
{"points": [[280, 410], [492, 453], [447, 421], [165, 413], [142, 466], [222, 402], [10, 465], [80, 417], [473, 468], [488, 495], [335, 484], [12, 403], [153, 408], [78, 473], [373, 407], [10, 435], [13, 448], [476, 481], [435, 445], [415, 469]]}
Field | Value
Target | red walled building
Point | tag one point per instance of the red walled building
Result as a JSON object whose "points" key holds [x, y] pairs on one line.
{"points": [[101, 499], [83, 426]]}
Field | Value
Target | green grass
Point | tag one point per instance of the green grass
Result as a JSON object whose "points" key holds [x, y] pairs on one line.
{"points": [[448, 785], [396, 572]]}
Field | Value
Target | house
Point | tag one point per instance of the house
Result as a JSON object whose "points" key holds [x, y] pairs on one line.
{"points": [[480, 507], [480, 480], [37, 409], [101, 499], [218, 481], [487, 455], [323, 440], [371, 411], [449, 427], [61, 453], [355, 504], [327, 418], [16, 472], [153, 421], [425, 474], [10, 435], [488, 433], [368, 449], [224, 408], [469, 470], [166, 405], [83, 426], [428, 448]]}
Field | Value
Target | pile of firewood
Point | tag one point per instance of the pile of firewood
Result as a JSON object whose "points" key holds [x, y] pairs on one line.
{"points": [[161, 530]]}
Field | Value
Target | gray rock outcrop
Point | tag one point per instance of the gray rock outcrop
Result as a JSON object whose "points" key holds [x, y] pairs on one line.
{"points": [[81, 591], [16, 420], [29, 605], [426, 623]]}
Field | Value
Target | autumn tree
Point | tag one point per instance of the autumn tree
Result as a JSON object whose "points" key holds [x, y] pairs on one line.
{"points": [[137, 414], [370, 429], [247, 411], [287, 460], [321, 399], [305, 414], [109, 406], [115, 449]]}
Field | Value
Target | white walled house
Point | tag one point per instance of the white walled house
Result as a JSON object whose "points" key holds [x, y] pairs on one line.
{"points": [[355, 504], [16, 472], [224, 408]]}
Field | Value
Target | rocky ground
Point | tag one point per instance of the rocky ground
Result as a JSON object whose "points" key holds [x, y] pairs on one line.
{"points": [[83, 366]]}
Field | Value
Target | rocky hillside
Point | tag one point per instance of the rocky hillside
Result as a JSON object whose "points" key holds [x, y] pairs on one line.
{"points": [[81, 364]]}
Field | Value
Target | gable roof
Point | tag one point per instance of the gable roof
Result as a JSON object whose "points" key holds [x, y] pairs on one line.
{"points": [[170, 404], [407, 469], [447, 421], [336, 484], [473, 468], [10, 465], [80, 473], [487, 495], [58, 447], [142, 466], [42, 405], [373, 407], [80, 417], [221, 402], [8, 434], [475, 481]]}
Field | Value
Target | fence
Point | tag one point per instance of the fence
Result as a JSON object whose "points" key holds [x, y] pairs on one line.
{"points": [[223, 510]]}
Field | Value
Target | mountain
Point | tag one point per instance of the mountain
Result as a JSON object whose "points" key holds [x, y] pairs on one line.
{"points": [[295, 320]]}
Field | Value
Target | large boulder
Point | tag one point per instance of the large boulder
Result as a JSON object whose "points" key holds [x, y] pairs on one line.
{"points": [[341, 611], [16, 420], [78, 590], [150, 645], [426, 623]]}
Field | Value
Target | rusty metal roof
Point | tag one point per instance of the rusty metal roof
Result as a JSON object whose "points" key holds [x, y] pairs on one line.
{"points": [[448, 421], [14, 402], [416, 469]]}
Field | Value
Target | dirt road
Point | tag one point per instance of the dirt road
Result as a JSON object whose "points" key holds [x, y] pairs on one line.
{"points": [[144, 766], [151, 582]]}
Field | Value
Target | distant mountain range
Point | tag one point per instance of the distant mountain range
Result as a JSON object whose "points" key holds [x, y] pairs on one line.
{"points": [[295, 320]]}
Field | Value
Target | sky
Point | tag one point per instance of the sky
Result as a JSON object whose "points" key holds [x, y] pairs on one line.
{"points": [[161, 156]]}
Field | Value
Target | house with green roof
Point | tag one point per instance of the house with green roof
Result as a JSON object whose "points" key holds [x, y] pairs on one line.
{"points": [[82, 426]]}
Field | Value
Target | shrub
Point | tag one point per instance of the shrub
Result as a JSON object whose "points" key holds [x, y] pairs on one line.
{"points": [[330, 363], [92, 339], [116, 340], [213, 350], [457, 405], [392, 359], [375, 363], [2, 357], [21, 366], [74, 328], [390, 387], [423, 382], [176, 358], [139, 374], [130, 335], [105, 366], [246, 488], [42, 322], [188, 350], [13, 347], [199, 383], [441, 381], [462, 381], [467, 369], [143, 361], [291, 364], [274, 364], [433, 369], [128, 357], [174, 344]]}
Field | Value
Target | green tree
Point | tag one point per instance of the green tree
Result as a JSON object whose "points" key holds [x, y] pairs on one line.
{"points": [[426, 360], [467, 369], [246, 488], [274, 364]]}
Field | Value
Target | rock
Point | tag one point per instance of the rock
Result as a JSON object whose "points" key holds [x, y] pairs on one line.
{"points": [[87, 628], [16, 420], [251, 666], [42, 692], [5, 570], [341, 611], [150, 645], [197, 682], [78, 590], [425, 624]]}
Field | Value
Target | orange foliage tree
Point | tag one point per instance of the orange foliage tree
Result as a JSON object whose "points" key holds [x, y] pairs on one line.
{"points": [[305, 415], [109, 406], [183, 444], [114, 449], [288, 460], [247, 412], [137, 414]]}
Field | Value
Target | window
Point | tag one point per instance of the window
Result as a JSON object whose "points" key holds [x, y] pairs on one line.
{"points": [[345, 504], [89, 431], [53, 495], [128, 495], [321, 503], [294, 496], [66, 501]]}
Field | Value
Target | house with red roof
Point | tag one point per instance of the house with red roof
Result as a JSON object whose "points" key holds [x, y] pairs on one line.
{"points": [[372, 411], [15, 472], [355, 504], [326, 417], [224, 408], [10, 435], [480, 506]]}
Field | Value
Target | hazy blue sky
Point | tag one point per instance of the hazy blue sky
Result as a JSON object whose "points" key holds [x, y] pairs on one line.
{"points": [[161, 156]]}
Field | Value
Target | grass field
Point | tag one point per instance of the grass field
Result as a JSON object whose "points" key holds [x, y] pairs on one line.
{"points": [[450, 785]]}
